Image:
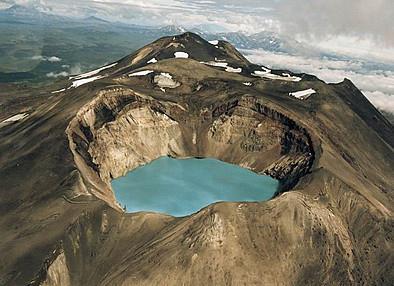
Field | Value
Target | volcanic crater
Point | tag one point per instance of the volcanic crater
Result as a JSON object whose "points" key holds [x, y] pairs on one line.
{"points": [[330, 223]]}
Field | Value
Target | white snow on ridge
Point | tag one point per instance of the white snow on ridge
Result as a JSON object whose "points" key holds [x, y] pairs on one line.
{"points": [[266, 73], [303, 94], [58, 91], [215, 42], [79, 82], [15, 118], [215, 64], [141, 73], [234, 70], [181, 55], [83, 81], [292, 78], [91, 73], [152, 61], [222, 64], [260, 73], [164, 80], [247, 83], [166, 75]]}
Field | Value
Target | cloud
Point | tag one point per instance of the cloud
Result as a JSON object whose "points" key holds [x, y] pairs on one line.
{"points": [[75, 69], [381, 100], [376, 84], [54, 59], [56, 75], [51, 59], [356, 47], [252, 16], [359, 30], [321, 18], [72, 70], [310, 19], [306, 18]]}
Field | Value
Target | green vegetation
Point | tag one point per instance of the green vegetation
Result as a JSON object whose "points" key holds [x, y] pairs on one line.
{"points": [[80, 48]]}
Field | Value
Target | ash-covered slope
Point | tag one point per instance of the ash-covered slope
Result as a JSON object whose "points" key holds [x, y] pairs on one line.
{"points": [[330, 224]]}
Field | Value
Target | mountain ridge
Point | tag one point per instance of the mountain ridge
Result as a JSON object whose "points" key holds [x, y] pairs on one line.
{"points": [[330, 223]]}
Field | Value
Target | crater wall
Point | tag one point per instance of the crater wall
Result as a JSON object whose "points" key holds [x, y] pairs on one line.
{"points": [[121, 130]]}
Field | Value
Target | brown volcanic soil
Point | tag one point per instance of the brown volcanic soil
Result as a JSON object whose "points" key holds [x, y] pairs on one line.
{"points": [[331, 224]]}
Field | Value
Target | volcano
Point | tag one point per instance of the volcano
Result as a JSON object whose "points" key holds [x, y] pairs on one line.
{"points": [[330, 223]]}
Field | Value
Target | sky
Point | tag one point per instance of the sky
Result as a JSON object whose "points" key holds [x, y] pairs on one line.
{"points": [[365, 27], [308, 18], [361, 30]]}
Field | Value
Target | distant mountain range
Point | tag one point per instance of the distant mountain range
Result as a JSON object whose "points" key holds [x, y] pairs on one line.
{"points": [[23, 14], [265, 40], [28, 33]]}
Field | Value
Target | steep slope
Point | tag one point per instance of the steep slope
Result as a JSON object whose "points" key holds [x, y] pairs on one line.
{"points": [[330, 224]]}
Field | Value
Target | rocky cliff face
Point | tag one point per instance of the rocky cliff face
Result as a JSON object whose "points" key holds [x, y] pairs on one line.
{"points": [[331, 222]]}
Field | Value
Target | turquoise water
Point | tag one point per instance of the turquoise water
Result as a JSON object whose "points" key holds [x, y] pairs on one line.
{"points": [[182, 187]]}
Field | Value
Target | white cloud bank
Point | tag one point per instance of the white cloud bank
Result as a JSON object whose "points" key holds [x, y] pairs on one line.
{"points": [[71, 70], [56, 75], [356, 28], [322, 18], [377, 85], [250, 16], [52, 59]]}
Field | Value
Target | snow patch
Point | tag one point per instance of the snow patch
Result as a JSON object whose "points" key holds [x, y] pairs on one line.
{"points": [[152, 61], [247, 83], [83, 81], [164, 80], [222, 64], [266, 73], [86, 78], [15, 118], [91, 73], [58, 91], [215, 64], [259, 73], [181, 55], [141, 73], [303, 94], [215, 42], [166, 75], [234, 70]]}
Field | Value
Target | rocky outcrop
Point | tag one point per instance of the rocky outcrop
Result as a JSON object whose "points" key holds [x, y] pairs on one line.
{"points": [[58, 273], [54, 271]]}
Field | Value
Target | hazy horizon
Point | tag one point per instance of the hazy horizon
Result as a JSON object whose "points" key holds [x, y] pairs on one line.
{"points": [[337, 40]]}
